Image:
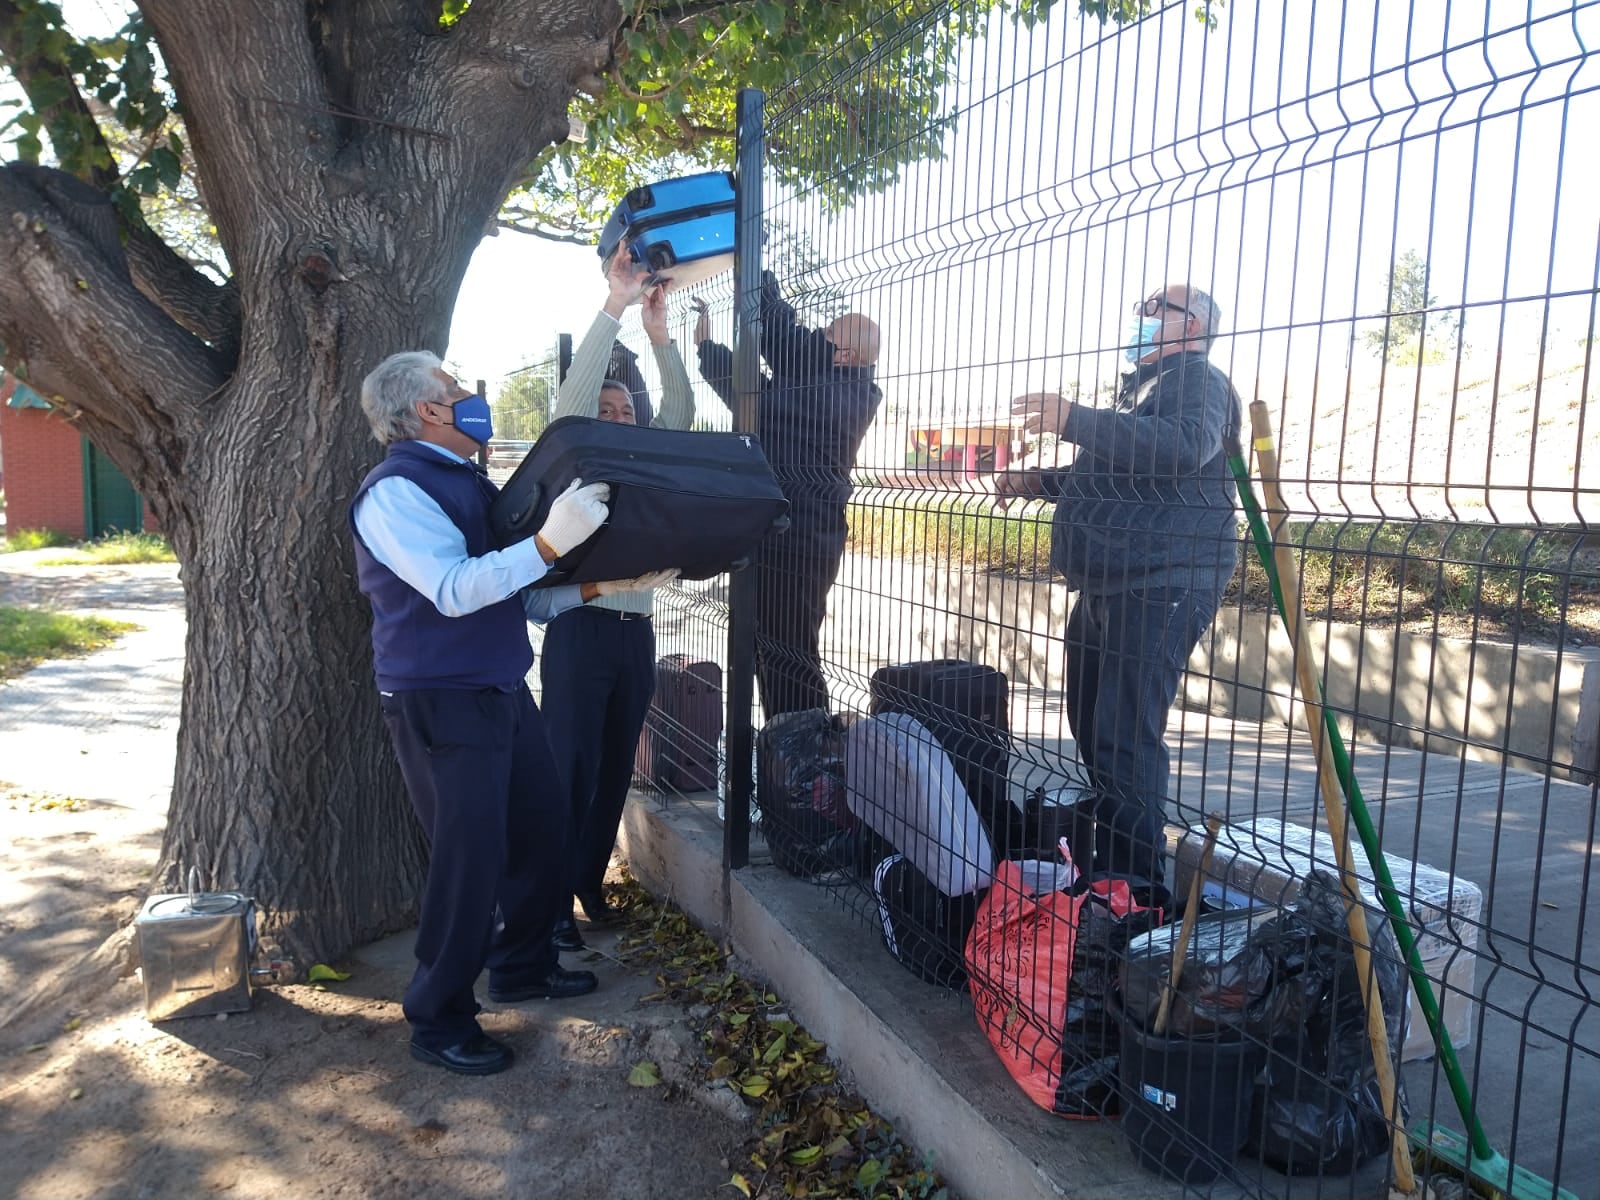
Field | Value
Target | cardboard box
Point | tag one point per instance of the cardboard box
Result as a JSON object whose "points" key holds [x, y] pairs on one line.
{"points": [[1268, 860]]}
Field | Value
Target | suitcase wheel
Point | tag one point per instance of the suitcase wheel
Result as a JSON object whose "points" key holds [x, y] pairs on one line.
{"points": [[739, 564], [640, 198], [661, 257]]}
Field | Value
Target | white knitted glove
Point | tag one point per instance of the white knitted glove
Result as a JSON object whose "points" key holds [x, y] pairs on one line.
{"points": [[639, 583], [575, 515]]}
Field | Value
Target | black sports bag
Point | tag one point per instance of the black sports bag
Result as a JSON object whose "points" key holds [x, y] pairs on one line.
{"points": [[699, 501]]}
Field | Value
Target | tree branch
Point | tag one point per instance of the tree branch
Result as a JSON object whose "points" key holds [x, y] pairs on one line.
{"points": [[199, 304], [571, 239], [129, 362], [238, 140]]}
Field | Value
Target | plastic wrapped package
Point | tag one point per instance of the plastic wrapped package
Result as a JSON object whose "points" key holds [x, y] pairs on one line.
{"points": [[1268, 859]]}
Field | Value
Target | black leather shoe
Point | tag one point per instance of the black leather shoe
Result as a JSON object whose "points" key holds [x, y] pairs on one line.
{"points": [[566, 936], [558, 985], [598, 910], [480, 1055]]}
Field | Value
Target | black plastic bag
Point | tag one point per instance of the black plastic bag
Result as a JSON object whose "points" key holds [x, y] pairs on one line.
{"points": [[1091, 1037], [800, 793], [1318, 1108], [1090, 1056], [1226, 974]]}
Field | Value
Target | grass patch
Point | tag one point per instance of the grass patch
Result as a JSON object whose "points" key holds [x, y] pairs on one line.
{"points": [[964, 533], [1513, 580], [117, 549], [33, 539], [1466, 577], [28, 636]]}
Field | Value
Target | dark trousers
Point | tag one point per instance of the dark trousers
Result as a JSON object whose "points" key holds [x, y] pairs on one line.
{"points": [[794, 573], [1125, 654], [598, 673], [484, 786]]}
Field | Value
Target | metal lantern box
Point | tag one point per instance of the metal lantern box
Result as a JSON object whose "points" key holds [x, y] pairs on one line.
{"points": [[195, 951]]}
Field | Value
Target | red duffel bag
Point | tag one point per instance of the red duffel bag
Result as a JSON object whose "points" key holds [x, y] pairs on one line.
{"points": [[1019, 969]]}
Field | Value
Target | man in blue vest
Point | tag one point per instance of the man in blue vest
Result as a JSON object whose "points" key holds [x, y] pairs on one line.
{"points": [[450, 650]]}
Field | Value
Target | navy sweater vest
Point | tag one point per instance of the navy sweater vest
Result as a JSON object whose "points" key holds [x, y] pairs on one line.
{"points": [[414, 645]]}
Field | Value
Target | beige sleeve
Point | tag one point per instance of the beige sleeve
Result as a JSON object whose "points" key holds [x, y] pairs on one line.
{"points": [[677, 393], [580, 391]]}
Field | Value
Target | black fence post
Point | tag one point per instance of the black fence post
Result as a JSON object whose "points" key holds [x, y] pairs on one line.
{"points": [[483, 450], [746, 419], [563, 356]]}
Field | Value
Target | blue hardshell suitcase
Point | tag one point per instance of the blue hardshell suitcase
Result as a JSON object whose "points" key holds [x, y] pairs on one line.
{"points": [[701, 502], [682, 229]]}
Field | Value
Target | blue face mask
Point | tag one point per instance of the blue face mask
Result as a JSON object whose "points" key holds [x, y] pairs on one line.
{"points": [[1141, 338], [472, 417]]}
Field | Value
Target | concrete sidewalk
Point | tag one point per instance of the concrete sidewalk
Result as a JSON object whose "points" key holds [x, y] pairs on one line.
{"points": [[101, 727]]}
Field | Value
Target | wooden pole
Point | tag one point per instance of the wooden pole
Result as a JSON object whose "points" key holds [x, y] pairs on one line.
{"points": [[1191, 913], [1328, 780]]}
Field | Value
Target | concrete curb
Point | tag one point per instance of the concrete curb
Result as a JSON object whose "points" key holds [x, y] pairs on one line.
{"points": [[913, 1050]]}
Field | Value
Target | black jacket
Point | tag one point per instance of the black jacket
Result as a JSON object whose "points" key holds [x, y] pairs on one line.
{"points": [[813, 414], [1149, 500]]}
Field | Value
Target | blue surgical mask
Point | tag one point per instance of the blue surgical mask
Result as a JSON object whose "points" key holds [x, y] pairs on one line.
{"points": [[471, 416], [1141, 338]]}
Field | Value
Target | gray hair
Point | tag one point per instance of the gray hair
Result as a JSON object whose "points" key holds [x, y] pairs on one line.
{"points": [[1205, 310], [391, 393]]}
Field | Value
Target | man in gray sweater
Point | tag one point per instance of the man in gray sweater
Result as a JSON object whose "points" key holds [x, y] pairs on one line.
{"points": [[1145, 532]]}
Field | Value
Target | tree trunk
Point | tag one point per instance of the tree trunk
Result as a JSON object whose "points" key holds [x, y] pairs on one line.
{"points": [[286, 784]]}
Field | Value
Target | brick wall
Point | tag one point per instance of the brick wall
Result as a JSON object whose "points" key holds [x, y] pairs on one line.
{"points": [[43, 471]]}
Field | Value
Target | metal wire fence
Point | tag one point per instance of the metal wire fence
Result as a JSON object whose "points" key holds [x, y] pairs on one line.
{"points": [[1373, 225]]}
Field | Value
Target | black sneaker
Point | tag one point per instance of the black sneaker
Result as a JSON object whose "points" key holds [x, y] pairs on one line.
{"points": [[560, 984], [479, 1055], [566, 936]]}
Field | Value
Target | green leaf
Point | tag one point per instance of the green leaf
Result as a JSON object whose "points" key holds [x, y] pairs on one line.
{"points": [[755, 1086], [322, 971], [772, 16], [869, 1175], [644, 1074], [775, 1051], [741, 1183], [804, 1155], [168, 167]]}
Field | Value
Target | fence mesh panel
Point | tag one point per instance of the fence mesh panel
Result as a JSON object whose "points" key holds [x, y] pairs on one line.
{"points": [[1375, 225]]}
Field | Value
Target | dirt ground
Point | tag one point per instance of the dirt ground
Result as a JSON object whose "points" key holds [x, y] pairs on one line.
{"points": [[312, 1092]]}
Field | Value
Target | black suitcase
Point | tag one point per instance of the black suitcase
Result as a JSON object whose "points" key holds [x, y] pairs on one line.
{"points": [[964, 705], [682, 229], [698, 501], [678, 745]]}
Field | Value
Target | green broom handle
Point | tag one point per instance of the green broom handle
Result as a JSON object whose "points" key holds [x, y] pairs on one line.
{"points": [[1387, 891]]}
